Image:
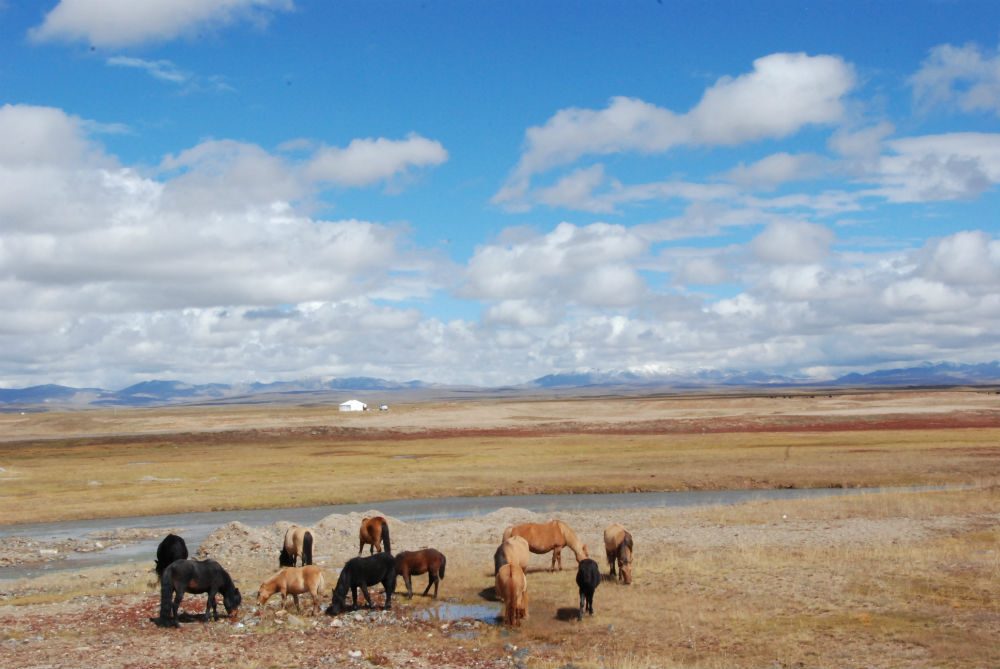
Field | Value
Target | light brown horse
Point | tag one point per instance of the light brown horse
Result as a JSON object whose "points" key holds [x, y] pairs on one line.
{"points": [[293, 581], [512, 588], [374, 531], [618, 546], [513, 550], [427, 561], [550, 536], [298, 543]]}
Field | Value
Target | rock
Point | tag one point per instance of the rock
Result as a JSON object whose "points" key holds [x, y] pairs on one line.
{"points": [[337, 622]]}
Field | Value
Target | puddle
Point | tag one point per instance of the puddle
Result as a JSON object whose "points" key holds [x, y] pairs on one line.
{"points": [[447, 612]]}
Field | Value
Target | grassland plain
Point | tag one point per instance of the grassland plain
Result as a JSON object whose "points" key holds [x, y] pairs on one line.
{"points": [[902, 579]]}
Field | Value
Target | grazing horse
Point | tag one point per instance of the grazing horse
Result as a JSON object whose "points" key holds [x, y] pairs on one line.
{"points": [[196, 577], [588, 577], [413, 563], [512, 587], [293, 581], [171, 548], [374, 531], [513, 550], [298, 544], [618, 546], [550, 536], [361, 572]]}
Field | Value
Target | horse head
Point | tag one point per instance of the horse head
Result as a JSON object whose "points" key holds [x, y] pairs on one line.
{"points": [[232, 599]]}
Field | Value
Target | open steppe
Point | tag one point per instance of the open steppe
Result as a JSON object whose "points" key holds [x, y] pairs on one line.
{"points": [[895, 579]]}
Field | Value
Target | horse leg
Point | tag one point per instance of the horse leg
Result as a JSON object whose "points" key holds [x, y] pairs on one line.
{"points": [[298, 609], [368, 597], [176, 605], [611, 561], [354, 597], [408, 580], [210, 605], [583, 604], [361, 547], [431, 580], [389, 585]]}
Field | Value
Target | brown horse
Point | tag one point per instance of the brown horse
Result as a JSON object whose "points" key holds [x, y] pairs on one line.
{"points": [[513, 550], [298, 543], [374, 531], [550, 536], [618, 546], [293, 581], [413, 563], [512, 588]]}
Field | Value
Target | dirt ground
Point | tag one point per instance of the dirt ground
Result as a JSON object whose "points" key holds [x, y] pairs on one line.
{"points": [[899, 579], [116, 630]]}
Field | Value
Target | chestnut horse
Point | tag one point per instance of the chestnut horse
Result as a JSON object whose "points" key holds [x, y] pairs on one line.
{"points": [[513, 550], [550, 536], [298, 544], [413, 563], [374, 531], [618, 546], [512, 588], [293, 581]]}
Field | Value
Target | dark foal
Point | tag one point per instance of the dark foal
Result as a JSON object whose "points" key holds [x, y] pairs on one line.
{"points": [[588, 577], [171, 548]]}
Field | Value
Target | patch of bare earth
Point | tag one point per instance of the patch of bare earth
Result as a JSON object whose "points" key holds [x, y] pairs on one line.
{"points": [[897, 581]]}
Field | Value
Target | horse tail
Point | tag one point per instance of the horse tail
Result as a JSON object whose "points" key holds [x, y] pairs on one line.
{"points": [[385, 538], [444, 562], [285, 559], [307, 548], [166, 594]]}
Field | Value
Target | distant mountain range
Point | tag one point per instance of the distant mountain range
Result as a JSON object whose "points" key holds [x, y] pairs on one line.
{"points": [[160, 392]]}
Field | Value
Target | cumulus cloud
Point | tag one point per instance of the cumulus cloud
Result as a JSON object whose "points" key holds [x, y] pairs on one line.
{"points": [[966, 77], [589, 265], [796, 243], [929, 168], [117, 23], [145, 268], [777, 169], [367, 161], [783, 93]]}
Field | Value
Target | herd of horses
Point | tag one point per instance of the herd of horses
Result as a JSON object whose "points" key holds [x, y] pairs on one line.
{"points": [[179, 575]]}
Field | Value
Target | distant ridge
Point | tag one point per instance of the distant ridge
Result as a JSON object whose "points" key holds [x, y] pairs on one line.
{"points": [[158, 392]]}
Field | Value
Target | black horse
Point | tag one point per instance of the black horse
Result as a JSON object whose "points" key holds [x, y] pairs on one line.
{"points": [[171, 548], [361, 572], [588, 577], [196, 577]]}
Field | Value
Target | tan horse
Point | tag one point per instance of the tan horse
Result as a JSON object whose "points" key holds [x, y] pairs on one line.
{"points": [[513, 550], [512, 588], [374, 531], [618, 546], [298, 543], [293, 581], [550, 536]]}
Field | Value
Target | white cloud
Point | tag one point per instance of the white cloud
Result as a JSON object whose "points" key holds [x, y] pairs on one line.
{"points": [[963, 76], [588, 265], [797, 243], [967, 258], [117, 23], [783, 93], [163, 70], [367, 161], [939, 167], [777, 169]]}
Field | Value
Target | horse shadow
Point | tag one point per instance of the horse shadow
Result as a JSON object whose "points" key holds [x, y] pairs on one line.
{"points": [[182, 617], [568, 614], [489, 594]]}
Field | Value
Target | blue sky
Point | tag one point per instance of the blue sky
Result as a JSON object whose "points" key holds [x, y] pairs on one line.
{"points": [[466, 192]]}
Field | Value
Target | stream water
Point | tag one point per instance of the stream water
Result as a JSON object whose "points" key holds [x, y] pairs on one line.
{"points": [[194, 527]]}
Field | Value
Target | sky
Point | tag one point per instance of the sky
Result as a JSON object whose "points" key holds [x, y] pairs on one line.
{"points": [[484, 193]]}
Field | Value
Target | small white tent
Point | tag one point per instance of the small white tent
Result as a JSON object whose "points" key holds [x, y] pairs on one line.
{"points": [[353, 405]]}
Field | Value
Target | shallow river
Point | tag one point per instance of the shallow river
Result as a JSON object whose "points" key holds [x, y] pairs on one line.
{"points": [[194, 527]]}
